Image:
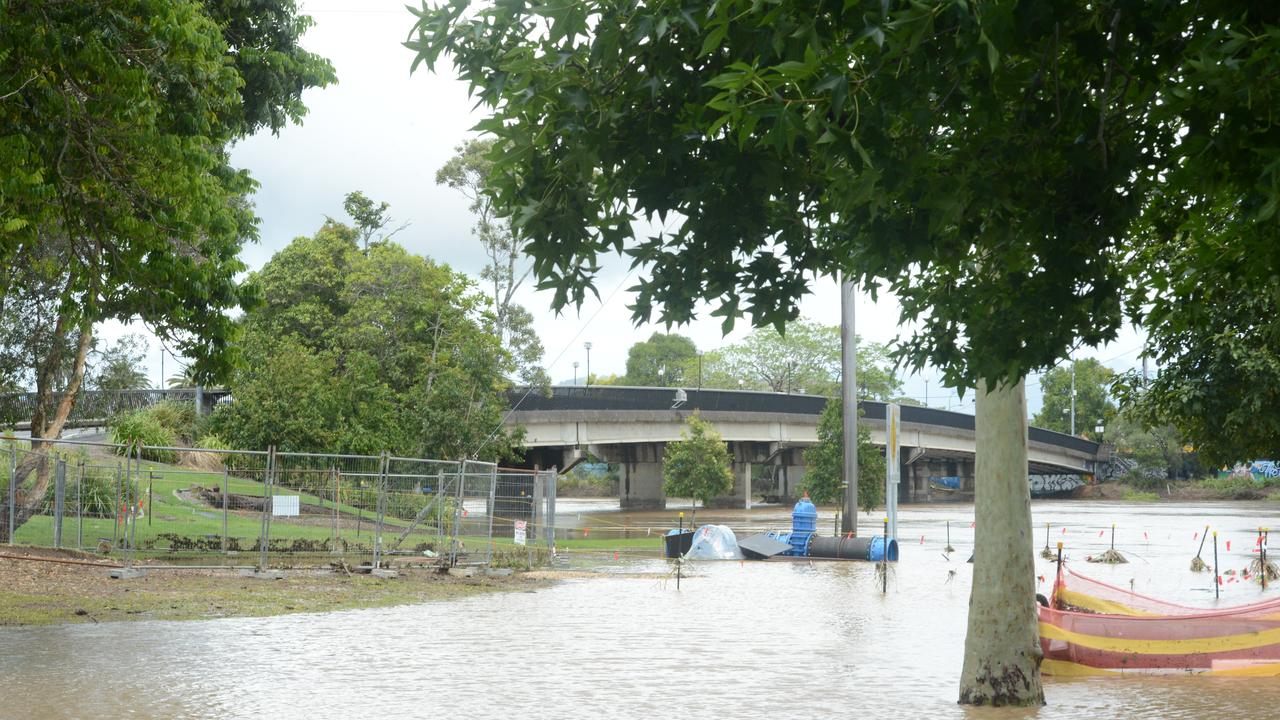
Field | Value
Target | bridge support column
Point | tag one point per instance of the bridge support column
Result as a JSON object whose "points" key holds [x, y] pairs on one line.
{"points": [[790, 478], [640, 471]]}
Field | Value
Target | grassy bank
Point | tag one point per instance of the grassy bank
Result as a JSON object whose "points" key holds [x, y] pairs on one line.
{"points": [[1226, 488], [39, 592]]}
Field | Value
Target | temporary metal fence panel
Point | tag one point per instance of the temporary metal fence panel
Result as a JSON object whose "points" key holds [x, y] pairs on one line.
{"points": [[275, 506]]}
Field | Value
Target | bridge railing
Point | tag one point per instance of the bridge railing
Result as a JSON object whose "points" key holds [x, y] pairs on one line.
{"points": [[18, 408]]}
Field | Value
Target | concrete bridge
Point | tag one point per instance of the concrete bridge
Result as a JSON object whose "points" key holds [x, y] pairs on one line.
{"points": [[630, 426]]}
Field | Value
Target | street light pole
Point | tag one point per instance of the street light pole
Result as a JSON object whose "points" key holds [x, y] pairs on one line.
{"points": [[587, 347], [1073, 397], [575, 372]]}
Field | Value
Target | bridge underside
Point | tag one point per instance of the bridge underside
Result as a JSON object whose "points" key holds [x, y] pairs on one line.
{"points": [[778, 469]]}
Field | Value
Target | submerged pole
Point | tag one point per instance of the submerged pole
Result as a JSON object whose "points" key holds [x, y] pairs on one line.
{"points": [[884, 558], [1217, 579], [1262, 552], [679, 556]]}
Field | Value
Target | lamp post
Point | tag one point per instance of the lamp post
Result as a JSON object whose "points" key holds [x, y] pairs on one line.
{"points": [[1098, 429], [587, 347], [1073, 397], [575, 372]]}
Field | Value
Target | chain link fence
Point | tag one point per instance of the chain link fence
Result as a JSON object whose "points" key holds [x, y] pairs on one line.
{"points": [[269, 508]]}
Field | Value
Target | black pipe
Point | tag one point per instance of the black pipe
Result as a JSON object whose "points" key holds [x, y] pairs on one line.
{"points": [[848, 548]]}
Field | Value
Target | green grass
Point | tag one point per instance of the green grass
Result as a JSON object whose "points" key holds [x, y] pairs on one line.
{"points": [[169, 514], [1139, 496]]}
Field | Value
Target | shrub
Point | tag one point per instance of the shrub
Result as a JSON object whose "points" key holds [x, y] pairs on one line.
{"points": [[178, 417], [97, 494], [142, 427]]}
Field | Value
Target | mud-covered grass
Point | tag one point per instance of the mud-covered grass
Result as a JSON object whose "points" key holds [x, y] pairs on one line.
{"points": [[35, 592]]}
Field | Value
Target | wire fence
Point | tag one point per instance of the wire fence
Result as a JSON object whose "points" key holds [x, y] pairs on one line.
{"points": [[270, 508]]}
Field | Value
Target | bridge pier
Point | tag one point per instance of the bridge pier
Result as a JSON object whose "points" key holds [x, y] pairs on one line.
{"points": [[640, 474], [790, 478]]}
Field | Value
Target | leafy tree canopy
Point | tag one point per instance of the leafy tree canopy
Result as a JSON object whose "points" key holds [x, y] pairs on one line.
{"points": [[1092, 403], [508, 266], [981, 161], [118, 201], [661, 361], [824, 462], [120, 366], [363, 351], [698, 465], [804, 358]]}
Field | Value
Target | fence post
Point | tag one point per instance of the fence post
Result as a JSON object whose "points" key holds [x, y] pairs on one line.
{"points": [[493, 507], [225, 489], [536, 514], [265, 536], [13, 485], [440, 506], [80, 509], [333, 495], [381, 507], [115, 510], [457, 513], [59, 499], [551, 511]]}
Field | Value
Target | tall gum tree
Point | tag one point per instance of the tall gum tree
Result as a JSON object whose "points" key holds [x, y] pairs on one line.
{"points": [[984, 161], [118, 200]]}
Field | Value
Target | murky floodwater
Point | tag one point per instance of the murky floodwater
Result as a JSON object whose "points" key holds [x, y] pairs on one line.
{"points": [[737, 640]]}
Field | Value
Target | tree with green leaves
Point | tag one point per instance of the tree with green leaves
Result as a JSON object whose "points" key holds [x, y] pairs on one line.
{"points": [[1158, 454], [508, 266], [369, 218], [1205, 276], [1090, 380], [824, 462], [698, 465], [361, 350], [804, 357], [120, 366], [983, 161], [118, 200], [661, 361]]}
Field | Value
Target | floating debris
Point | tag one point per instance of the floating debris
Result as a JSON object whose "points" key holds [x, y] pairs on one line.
{"points": [[1110, 557]]}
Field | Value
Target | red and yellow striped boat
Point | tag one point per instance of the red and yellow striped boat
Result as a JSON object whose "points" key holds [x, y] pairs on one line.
{"points": [[1091, 628]]}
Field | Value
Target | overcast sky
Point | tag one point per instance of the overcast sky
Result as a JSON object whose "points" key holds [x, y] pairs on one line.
{"points": [[386, 132]]}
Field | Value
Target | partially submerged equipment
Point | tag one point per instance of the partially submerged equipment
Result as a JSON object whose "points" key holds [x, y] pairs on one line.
{"points": [[1092, 628], [805, 542], [854, 548], [678, 543], [762, 546], [714, 542]]}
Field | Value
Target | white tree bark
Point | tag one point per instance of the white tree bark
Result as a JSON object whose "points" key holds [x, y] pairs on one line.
{"points": [[1002, 647]]}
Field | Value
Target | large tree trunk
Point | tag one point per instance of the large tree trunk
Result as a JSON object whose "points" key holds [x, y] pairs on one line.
{"points": [[1002, 647], [28, 502]]}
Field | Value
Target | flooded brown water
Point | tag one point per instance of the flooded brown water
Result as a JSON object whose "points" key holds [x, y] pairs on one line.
{"points": [[737, 640]]}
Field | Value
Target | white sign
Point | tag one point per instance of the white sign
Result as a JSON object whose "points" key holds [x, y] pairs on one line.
{"points": [[285, 505], [522, 528]]}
